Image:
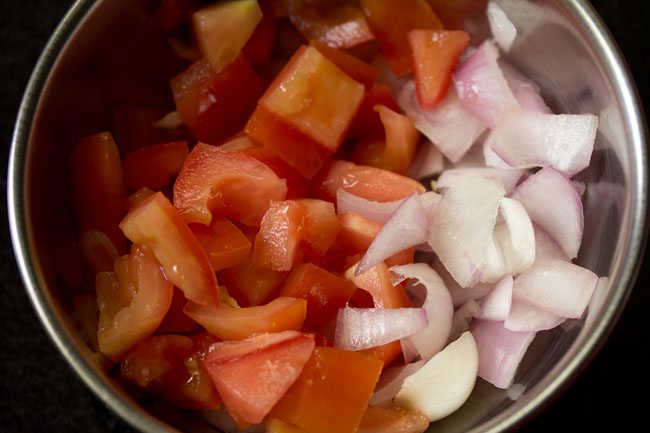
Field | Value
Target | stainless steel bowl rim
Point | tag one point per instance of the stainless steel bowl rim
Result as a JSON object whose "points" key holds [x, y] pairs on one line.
{"points": [[549, 387]]}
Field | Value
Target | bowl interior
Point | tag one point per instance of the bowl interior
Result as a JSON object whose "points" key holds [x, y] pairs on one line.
{"points": [[117, 58]]}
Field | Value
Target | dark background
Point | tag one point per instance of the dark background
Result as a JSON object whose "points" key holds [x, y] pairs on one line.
{"points": [[39, 392]]}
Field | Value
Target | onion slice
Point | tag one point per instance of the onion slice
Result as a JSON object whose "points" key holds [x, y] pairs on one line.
{"points": [[515, 237], [437, 303], [546, 248], [503, 30], [526, 91], [524, 317], [428, 161], [507, 177], [496, 305], [391, 381], [364, 328], [380, 212], [462, 318], [500, 351]]}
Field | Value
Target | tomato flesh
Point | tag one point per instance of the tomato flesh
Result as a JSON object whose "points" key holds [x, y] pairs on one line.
{"points": [[358, 70], [281, 231], [260, 45], [367, 123], [389, 417], [250, 284], [224, 243], [154, 166]]}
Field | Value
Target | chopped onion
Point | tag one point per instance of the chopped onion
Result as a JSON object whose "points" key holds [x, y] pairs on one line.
{"points": [[462, 318], [523, 139], [526, 91], [460, 295], [391, 381], [372, 210], [428, 161], [507, 177], [553, 203], [449, 127], [363, 328], [169, 121], [437, 303], [496, 305], [557, 287], [408, 350], [499, 350], [515, 237], [406, 228], [503, 30], [445, 382], [482, 88], [546, 248], [524, 317]]}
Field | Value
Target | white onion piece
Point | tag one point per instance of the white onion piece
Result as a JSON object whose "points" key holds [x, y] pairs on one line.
{"points": [[557, 287], [507, 177], [437, 303], [500, 351], [445, 382], [449, 127], [391, 381], [428, 161], [493, 267], [462, 318], [553, 203], [364, 328], [523, 139], [491, 158], [462, 225], [409, 352], [169, 121], [372, 210], [482, 88], [546, 248], [496, 305], [503, 30], [524, 317], [406, 228], [515, 237], [460, 295], [526, 91]]}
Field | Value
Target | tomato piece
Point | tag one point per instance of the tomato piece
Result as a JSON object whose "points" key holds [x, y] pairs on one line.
{"points": [[251, 285], [387, 353], [332, 392], [368, 182], [275, 425], [321, 225], [224, 243], [336, 25], [253, 375], [154, 166], [98, 184], [139, 196], [377, 281], [172, 13], [297, 149], [367, 123], [389, 417], [217, 182], [170, 365], [132, 302], [391, 20], [313, 95], [358, 70], [395, 151], [325, 293], [281, 231], [157, 225], [404, 257], [176, 321], [357, 232], [216, 105], [435, 55], [229, 323], [98, 250], [260, 45], [132, 126]]}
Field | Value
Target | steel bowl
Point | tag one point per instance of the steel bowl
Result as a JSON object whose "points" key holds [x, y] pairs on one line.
{"points": [[562, 44]]}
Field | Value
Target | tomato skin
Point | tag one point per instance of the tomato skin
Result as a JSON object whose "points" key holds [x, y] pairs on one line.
{"points": [[215, 106], [281, 231], [390, 21], [435, 55], [230, 323], [251, 285], [215, 182], [358, 70], [252, 375], [333, 381], [132, 300], [154, 166], [325, 293], [260, 45], [98, 186], [224, 243], [155, 224]]}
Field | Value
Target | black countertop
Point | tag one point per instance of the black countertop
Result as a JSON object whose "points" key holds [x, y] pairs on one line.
{"points": [[40, 393]]}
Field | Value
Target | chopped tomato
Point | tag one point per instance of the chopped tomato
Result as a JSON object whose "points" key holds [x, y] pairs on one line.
{"points": [[98, 182], [387, 353], [176, 321], [332, 392], [390, 21], [216, 105], [404, 257], [132, 302], [368, 182], [358, 70], [325, 293], [377, 281], [367, 123], [251, 285], [171, 13], [139, 196], [395, 151], [337, 25], [154, 166], [281, 231], [170, 365], [224, 243], [435, 55], [297, 149], [133, 126], [389, 417], [253, 375], [357, 232], [157, 225], [98, 250], [230, 323], [260, 45], [314, 96], [275, 425], [217, 182], [321, 225]]}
